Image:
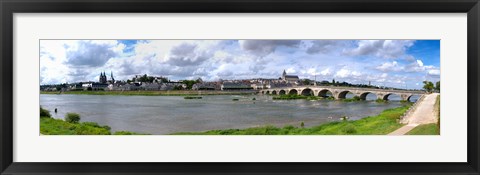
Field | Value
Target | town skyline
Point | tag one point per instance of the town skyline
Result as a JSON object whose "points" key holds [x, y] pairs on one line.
{"points": [[393, 63]]}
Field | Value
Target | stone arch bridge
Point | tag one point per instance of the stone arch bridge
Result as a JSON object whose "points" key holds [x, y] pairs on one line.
{"points": [[340, 92]]}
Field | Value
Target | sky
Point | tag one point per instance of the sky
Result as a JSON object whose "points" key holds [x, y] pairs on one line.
{"points": [[392, 63]]}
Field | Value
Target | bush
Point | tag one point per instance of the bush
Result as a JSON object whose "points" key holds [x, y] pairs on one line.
{"points": [[44, 112], [72, 118], [96, 125], [127, 133], [349, 129], [357, 98], [288, 127]]}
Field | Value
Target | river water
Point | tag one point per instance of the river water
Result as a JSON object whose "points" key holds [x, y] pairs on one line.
{"points": [[168, 114]]}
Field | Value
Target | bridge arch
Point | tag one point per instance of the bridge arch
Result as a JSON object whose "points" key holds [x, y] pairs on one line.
{"points": [[267, 92], [324, 93], [386, 96], [343, 94], [293, 92], [307, 92], [364, 95], [274, 92], [282, 92], [413, 97]]}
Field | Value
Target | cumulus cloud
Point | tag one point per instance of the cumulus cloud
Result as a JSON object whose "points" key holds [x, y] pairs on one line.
{"points": [[381, 48], [187, 54], [324, 46], [265, 47], [433, 74], [345, 60], [326, 72], [416, 66], [291, 70], [93, 54], [389, 66]]}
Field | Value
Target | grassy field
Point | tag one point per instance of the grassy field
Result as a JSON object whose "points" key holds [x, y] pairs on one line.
{"points": [[381, 124], [51, 126], [426, 129], [150, 93]]}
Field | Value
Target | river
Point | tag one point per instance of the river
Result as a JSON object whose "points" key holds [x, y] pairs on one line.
{"points": [[167, 114]]}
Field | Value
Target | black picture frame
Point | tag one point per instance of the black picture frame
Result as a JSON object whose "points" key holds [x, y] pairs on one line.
{"points": [[9, 7]]}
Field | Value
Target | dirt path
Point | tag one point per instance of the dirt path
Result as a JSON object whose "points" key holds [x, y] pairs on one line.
{"points": [[424, 114]]}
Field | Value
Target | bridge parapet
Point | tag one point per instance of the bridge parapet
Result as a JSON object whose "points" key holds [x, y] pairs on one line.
{"points": [[341, 92]]}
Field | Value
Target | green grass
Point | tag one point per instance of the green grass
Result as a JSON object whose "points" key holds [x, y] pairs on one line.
{"points": [[289, 97], [379, 100], [381, 124], [128, 133], [426, 129], [149, 93], [355, 98], [51, 126]]}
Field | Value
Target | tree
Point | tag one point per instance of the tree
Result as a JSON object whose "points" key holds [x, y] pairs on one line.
{"points": [[72, 118], [177, 88], [189, 83], [44, 112], [307, 82], [150, 79], [333, 81], [437, 86], [428, 86], [199, 80]]}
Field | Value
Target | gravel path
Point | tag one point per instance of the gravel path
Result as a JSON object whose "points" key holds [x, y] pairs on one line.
{"points": [[424, 114]]}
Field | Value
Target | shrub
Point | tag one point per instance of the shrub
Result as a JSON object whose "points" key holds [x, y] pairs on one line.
{"points": [[125, 133], [288, 127], [72, 117], [349, 129], [302, 124], [96, 125], [44, 112], [357, 98]]}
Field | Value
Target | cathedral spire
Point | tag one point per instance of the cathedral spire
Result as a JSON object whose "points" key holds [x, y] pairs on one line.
{"points": [[111, 76]]}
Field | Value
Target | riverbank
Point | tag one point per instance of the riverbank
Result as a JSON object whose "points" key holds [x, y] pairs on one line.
{"points": [[150, 93], [51, 126], [381, 124]]}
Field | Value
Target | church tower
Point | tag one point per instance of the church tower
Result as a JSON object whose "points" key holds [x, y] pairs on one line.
{"points": [[284, 74], [103, 78], [111, 76]]}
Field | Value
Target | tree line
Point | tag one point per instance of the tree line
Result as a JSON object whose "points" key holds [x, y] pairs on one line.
{"points": [[430, 87]]}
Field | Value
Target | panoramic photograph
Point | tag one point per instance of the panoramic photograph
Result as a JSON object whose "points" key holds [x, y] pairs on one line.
{"points": [[239, 87]]}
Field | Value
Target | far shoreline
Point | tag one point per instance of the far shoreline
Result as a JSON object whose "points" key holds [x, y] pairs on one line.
{"points": [[152, 93]]}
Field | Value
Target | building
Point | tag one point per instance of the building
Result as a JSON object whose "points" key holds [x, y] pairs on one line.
{"points": [[94, 86], [204, 86], [226, 86], [289, 78], [103, 78]]}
